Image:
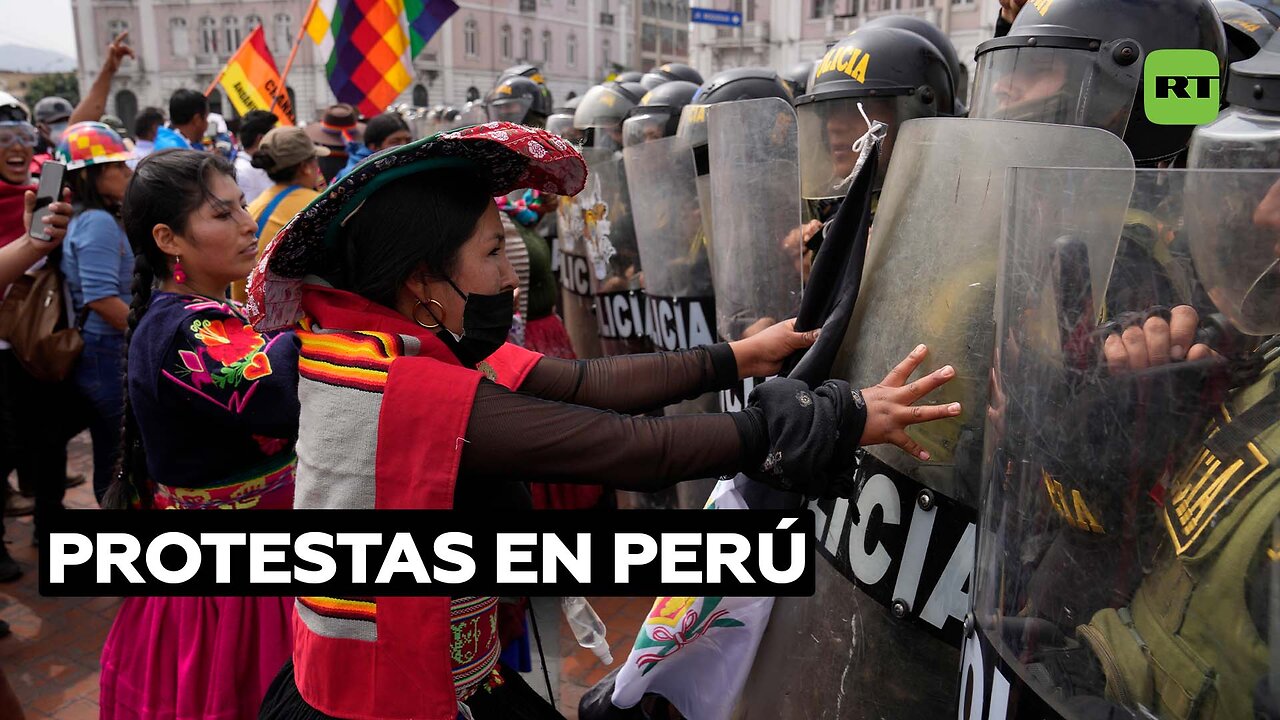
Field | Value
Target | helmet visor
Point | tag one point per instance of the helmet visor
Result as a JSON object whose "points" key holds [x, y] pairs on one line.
{"points": [[829, 128], [1059, 86], [646, 126], [601, 107], [509, 109], [562, 124]]}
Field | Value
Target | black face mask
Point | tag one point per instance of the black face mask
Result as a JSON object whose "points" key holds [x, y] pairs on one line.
{"points": [[486, 322]]}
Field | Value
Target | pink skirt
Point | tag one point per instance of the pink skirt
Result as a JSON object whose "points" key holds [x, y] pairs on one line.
{"points": [[548, 336], [203, 657]]}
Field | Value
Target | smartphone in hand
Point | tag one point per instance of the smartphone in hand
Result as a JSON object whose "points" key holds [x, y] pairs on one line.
{"points": [[50, 190]]}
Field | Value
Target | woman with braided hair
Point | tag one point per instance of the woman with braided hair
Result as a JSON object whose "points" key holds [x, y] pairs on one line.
{"points": [[211, 415]]}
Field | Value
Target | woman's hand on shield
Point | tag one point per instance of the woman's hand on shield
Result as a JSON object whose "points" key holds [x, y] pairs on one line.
{"points": [[890, 407], [762, 354]]}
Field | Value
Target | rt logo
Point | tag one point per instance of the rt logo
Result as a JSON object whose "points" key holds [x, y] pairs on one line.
{"points": [[1181, 87]]}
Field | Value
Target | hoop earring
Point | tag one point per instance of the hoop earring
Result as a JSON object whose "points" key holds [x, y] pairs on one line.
{"points": [[179, 276], [420, 304]]}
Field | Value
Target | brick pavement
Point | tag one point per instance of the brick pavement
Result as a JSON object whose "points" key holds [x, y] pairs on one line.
{"points": [[51, 659]]}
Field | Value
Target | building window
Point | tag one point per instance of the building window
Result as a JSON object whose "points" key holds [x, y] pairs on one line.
{"points": [[546, 47], [668, 10], [606, 52], [420, 97], [116, 26], [471, 38], [648, 38], [822, 9], [179, 41], [504, 41], [526, 44], [208, 36], [682, 43], [571, 49], [251, 22], [281, 36], [231, 31]]}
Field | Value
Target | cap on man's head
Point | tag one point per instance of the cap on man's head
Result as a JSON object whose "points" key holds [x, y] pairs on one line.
{"points": [[289, 146]]}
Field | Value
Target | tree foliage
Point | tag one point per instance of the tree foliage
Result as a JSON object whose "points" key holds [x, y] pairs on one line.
{"points": [[64, 85]]}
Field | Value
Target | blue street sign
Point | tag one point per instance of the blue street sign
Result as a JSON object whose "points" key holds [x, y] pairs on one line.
{"points": [[716, 17]]}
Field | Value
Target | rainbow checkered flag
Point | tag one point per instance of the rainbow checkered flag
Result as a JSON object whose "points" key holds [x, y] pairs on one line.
{"points": [[368, 46]]}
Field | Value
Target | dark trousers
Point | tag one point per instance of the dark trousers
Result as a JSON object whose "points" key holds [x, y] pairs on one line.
{"points": [[36, 421]]}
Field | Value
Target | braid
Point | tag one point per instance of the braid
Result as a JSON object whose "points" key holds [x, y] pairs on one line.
{"points": [[131, 487], [166, 188]]}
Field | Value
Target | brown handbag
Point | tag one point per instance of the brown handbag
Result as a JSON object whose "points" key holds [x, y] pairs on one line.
{"points": [[34, 318]]}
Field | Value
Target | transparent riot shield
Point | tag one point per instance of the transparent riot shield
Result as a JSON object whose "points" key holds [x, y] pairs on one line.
{"points": [[882, 635], [677, 276], [614, 260], [1128, 564], [755, 200], [577, 301]]}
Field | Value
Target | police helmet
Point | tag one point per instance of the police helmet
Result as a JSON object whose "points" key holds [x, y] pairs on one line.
{"points": [[12, 109], [603, 108], [560, 122], [1079, 62], [544, 105], [796, 77], [631, 76], [658, 114], [1235, 253], [933, 34], [517, 99], [668, 72], [751, 83], [1270, 10], [1246, 28], [888, 74], [53, 110]]}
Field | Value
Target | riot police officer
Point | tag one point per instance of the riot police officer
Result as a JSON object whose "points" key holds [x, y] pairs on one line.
{"points": [[601, 111], [1248, 30], [668, 72], [797, 77], [933, 34], [877, 73], [518, 99], [560, 121], [658, 114]]}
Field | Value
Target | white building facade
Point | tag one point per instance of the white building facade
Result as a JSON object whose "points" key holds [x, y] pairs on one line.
{"points": [[783, 33], [184, 44]]}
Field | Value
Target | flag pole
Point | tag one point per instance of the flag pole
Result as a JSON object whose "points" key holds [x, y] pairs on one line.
{"points": [[293, 52]]}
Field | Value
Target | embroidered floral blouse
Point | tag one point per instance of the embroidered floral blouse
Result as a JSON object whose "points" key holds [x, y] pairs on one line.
{"points": [[215, 400]]}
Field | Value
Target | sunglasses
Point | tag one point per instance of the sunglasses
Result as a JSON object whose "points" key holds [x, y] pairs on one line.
{"points": [[17, 133]]}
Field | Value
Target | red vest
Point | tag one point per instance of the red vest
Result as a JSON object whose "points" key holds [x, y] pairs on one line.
{"points": [[408, 670]]}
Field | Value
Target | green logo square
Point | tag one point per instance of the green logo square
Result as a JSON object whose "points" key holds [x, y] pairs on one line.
{"points": [[1181, 87]]}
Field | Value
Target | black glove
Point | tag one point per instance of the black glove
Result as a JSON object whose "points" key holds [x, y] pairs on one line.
{"points": [[812, 435]]}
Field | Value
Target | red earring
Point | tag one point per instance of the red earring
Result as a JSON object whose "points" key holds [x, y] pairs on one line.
{"points": [[179, 276]]}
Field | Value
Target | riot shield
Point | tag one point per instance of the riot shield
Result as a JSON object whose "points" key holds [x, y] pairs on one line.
{"points": [[677, 276], [893, 582], [577, 301], [754, 188], [614, 260], [1128, 564]]}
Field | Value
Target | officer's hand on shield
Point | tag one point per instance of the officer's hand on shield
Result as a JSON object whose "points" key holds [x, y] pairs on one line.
{"points": [[1156, 341], [890, 409], [796, 246]]}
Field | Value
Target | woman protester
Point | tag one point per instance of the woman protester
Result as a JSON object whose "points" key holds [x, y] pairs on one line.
{"points": [[406, 391], [210, 423], [98, 265]]}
